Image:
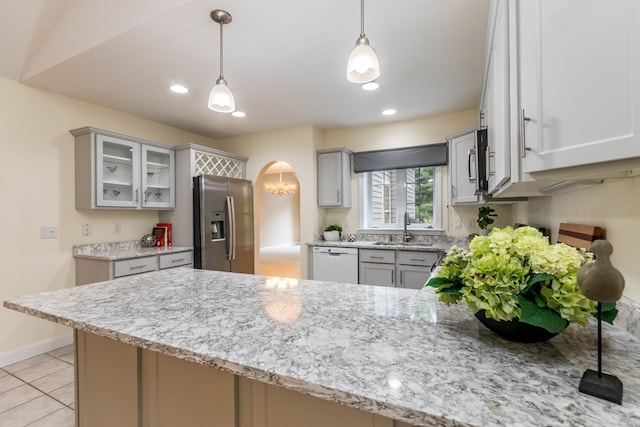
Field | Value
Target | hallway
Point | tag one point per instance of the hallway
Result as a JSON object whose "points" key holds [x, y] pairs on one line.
{"points": [[281, 261]]}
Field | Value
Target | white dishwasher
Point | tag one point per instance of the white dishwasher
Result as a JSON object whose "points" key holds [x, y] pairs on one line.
{"points": [[335, 264]]}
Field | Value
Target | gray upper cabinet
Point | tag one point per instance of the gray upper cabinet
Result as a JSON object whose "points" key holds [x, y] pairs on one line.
{"points": [[120, 172], [464, 167], [334, 178]]}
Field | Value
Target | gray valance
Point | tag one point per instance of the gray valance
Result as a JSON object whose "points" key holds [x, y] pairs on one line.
{"points": [[400, 158]]}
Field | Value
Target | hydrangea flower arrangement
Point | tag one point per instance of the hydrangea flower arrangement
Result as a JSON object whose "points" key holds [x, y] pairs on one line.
{"points": [[518, 274]]}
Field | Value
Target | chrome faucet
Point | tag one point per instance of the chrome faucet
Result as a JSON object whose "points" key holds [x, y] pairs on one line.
{"points": [[406, 237]]}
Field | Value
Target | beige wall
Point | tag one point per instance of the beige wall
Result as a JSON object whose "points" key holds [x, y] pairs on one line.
{"points": [[614, 206], [37, 188], [427, 130]]}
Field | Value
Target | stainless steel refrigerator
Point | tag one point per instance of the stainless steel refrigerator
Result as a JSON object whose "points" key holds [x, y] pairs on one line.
{"points": [[223, 224]]}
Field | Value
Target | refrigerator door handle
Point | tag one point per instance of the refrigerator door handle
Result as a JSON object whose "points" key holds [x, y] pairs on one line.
{"points": [[231, 219]]}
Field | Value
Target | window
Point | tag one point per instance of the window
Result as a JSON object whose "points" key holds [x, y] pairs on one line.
{"points": [[388, 195]]}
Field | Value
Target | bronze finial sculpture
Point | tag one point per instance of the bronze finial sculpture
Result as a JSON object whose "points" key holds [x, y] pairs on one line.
{"points": [[600, 281]]}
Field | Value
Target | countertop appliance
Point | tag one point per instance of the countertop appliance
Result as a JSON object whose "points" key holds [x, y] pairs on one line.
{"points": [[335, 264], [223, 224]]}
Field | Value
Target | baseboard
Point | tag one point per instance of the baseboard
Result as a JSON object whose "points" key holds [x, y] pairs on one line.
{"points": [[34, 349]]}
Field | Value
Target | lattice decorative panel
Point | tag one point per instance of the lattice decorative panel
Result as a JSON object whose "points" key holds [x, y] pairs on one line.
{"points": [[210, 164]]}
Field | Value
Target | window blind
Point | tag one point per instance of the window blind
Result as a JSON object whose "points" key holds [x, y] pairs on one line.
{"points": [[400, 158]]}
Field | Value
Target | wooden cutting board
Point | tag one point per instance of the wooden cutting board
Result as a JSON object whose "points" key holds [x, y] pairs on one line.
{"points": [[579, 236]]}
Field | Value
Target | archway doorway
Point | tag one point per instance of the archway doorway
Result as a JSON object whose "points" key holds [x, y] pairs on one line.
{"points": [[278, 216]]}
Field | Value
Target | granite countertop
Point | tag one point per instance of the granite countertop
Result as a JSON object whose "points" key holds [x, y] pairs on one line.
{"points": [[396, 352], [399, 246], [112, 251]]}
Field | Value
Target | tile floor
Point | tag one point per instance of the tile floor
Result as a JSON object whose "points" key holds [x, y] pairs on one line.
{"points": [[39, 392]]}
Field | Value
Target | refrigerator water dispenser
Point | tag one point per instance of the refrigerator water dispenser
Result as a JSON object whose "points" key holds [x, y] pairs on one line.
{"points": [[217, 225]]}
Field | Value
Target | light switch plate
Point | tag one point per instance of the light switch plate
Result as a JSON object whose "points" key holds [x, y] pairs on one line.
{"points": [[48, 232]]}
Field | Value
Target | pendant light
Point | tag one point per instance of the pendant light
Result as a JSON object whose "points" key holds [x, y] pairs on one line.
{"points": [[221, 97], [363, 63]]}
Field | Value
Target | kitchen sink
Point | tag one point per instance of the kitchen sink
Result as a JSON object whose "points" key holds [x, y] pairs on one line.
{"points": [[402, 244]]}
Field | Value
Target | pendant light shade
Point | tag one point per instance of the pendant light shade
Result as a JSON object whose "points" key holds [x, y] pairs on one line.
{"points": [[363, 65], [221, 97]]}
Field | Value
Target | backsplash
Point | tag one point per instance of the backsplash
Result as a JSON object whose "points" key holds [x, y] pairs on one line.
{"points": [[443, 241]]}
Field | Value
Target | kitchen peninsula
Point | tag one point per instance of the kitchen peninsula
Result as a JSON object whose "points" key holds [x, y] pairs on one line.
{"points": [[269, 351]]}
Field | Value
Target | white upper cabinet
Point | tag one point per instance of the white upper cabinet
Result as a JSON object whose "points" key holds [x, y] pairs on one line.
{"points": [[334, 178], [494, 103], [116, 171], [579, 85]]}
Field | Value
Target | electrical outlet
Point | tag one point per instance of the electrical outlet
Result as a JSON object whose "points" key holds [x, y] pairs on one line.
{"points": [[48, 232], [471, 223], [86, 229], [458, 222], [117, 228]]}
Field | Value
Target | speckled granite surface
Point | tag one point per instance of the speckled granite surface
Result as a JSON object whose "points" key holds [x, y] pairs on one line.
{"points": [[395, 352], [389, 246], [121, 250]]}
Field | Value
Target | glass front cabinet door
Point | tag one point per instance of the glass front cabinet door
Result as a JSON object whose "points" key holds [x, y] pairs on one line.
{"points": [[114, 171], [117, 172], [157, 177]]}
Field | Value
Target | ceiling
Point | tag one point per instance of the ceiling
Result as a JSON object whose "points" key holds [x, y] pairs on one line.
{"points": [[285, 60]]}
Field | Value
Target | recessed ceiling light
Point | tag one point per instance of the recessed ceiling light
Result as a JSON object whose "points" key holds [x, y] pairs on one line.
{"points": [[178, 89], [370, 86], [389, 112], [238, 114]]}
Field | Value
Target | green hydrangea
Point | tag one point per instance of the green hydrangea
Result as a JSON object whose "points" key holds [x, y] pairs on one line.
{"points": [[511, 269]]}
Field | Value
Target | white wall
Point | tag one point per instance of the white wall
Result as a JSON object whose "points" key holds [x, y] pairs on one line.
{"points": [[614, 206], [37, 188], [279, 216]]}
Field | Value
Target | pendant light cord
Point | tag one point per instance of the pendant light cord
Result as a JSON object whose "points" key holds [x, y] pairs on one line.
{"points": [[221, 47], [361, 18]]}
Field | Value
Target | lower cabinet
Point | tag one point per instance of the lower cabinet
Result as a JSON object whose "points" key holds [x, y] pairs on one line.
{"points": [[123, 385], [414, 268], [402, 269], [89, 270], [377, 267]]}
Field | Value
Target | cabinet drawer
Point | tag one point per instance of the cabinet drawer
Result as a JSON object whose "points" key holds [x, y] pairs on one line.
{"points": [[134, 266], [176, 259], [417, 258], [380, 256]]}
